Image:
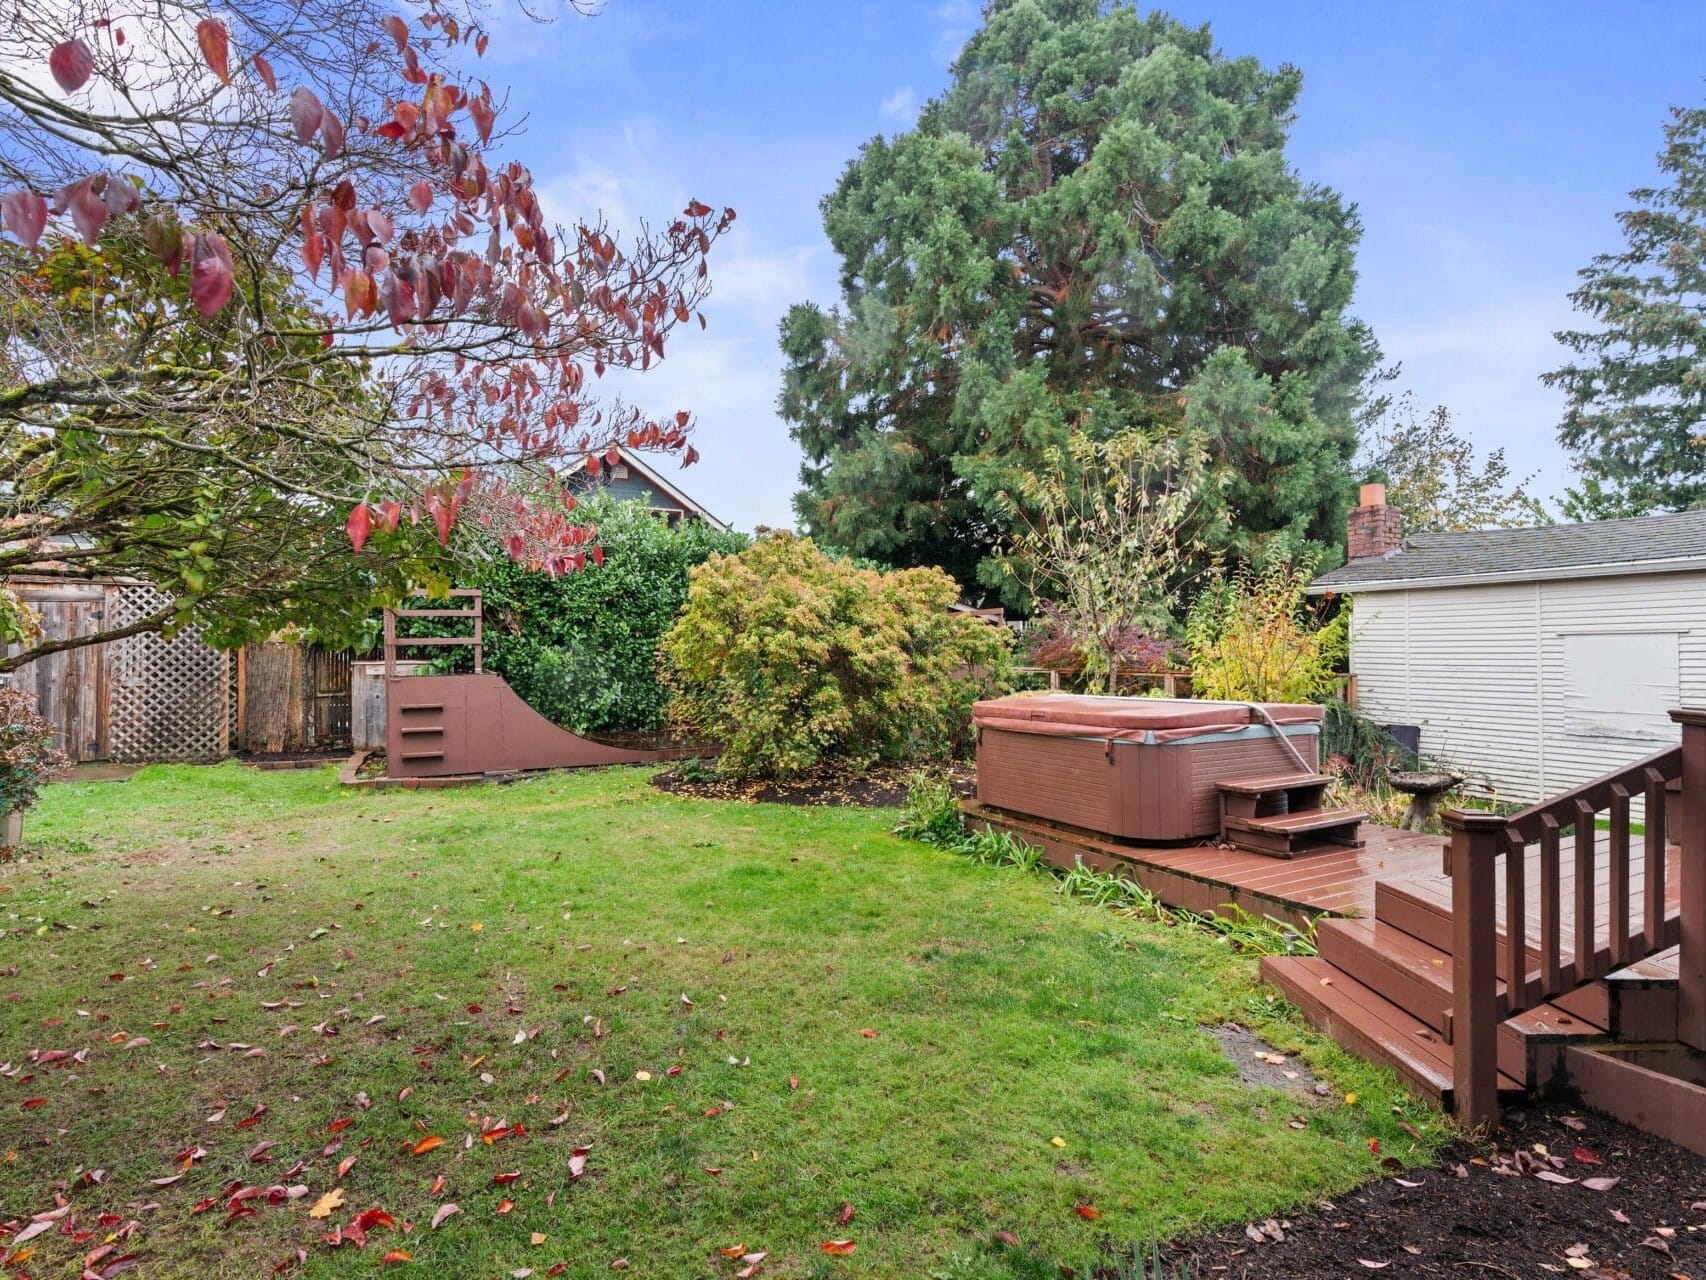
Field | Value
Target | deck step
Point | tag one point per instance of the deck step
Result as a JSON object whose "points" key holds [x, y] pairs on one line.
{"points": [[1264, 786], [1287, 834], [1405, 970], [1642, 997], [1532, 1044], [1367, 1024]]}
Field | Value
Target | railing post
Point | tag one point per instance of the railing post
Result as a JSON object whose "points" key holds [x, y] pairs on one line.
{"points": [[1477, 839], [1688, 825]]}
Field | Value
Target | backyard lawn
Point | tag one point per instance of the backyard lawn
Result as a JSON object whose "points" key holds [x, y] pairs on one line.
{"points": [[614, 1028]]}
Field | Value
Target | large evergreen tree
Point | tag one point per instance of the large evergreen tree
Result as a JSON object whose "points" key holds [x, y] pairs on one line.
{"points": [[1094, 228], [1635, 420]]}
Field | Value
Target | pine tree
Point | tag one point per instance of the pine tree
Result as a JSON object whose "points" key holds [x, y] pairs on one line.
{"points": [[1093, 229], [1635, 420]]}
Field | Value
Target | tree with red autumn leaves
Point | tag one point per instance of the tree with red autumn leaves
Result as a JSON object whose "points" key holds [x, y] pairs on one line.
{"points": [[277, 315]]}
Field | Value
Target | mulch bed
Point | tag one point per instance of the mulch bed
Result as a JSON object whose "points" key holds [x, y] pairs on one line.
{"points": [[1474, 1214], [881, 788]]}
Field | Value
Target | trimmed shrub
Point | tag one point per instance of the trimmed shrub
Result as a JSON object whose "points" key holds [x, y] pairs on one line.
{"points": [[582, 649], [1255, 638], [792, 659]]}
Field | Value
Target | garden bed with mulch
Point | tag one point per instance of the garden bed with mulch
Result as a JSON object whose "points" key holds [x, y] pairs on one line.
{"points": [[1562, 1192], [880, 788]]}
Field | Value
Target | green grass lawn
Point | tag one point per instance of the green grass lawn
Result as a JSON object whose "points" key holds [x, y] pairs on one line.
{"points": [[828, 1015]]}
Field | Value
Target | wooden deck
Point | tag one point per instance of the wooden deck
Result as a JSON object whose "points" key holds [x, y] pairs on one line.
{"points": [[1205, 877]]}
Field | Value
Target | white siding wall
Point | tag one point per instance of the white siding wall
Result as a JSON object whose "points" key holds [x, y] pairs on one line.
{"points": [[1535, 687]]}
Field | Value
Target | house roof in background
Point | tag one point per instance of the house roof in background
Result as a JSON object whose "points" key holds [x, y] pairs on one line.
{"points": [[1648, 544], [663, 487]]}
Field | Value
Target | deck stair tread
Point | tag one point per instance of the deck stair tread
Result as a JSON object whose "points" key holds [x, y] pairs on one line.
{"points": [[1262, 786], [1369, 1025], [1405, 970], [1304, 820], [1661, 968]]}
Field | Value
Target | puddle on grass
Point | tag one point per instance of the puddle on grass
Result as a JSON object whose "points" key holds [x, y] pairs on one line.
{"points": [[1260, 1064]]}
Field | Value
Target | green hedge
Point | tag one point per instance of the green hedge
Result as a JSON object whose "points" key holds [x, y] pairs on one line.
{"points": [[582, 648]]}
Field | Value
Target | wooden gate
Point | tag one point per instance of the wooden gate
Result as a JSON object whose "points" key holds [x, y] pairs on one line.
{"points": [[293, 698], [70, 687]]}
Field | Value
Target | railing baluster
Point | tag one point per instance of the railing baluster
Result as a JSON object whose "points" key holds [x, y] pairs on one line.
{"points": [[1516, 923], [1654, 851], [1551, 910], [1585, 840], [1477, 839], [1619, 851]]}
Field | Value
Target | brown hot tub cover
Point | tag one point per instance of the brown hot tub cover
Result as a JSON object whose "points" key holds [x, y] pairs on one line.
{"points": [[1153, 720]]}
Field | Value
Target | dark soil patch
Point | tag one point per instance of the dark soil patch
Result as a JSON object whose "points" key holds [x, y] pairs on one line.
{"points": [[1260, 1064], [880, 788], [1467, 1219], [291, 759]]}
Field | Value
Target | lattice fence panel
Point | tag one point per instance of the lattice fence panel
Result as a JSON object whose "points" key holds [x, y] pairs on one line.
{"points": [[171, 699]]}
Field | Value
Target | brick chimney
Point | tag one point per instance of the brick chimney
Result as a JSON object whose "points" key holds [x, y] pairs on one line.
{"points": [[1372, 528]]}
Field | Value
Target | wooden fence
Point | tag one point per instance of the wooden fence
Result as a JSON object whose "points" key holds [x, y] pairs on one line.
{"points": [[147, 698]]}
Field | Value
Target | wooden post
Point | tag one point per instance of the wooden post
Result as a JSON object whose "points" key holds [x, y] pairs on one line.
{"points": [[1688, 824], [1477, 839]]}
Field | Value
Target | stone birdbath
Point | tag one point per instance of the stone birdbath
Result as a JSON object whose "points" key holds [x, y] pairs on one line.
{"points": [[1425, 787]]}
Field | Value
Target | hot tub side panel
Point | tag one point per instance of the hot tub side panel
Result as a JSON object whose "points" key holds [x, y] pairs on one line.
{"points": [[1205, 764], [1063, 779]]}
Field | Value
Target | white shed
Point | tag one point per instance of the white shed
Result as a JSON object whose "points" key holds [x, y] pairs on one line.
{"points": [[1532, 659]]}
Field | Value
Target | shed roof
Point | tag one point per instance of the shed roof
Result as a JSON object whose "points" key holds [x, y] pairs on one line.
{"points": [[1603, 548]]}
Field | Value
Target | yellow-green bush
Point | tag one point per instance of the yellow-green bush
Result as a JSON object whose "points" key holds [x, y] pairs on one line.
{"points": [[1255, 638], [792, 659]]}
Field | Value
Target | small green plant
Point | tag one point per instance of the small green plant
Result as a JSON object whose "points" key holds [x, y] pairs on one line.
{"points": [[930, 813]]}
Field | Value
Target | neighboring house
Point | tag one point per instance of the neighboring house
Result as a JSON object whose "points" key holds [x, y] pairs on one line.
{"points": [[631, 479], [1533, 659]]}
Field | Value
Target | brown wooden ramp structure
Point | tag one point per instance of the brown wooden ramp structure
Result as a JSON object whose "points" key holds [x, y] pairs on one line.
{"points": [[472, 724]]}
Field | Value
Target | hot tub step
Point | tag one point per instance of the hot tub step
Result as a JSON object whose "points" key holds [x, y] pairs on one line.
{"points": [[1288, 834]]}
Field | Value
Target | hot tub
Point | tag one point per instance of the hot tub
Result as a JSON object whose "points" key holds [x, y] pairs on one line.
{"points": [[1140, 769]]}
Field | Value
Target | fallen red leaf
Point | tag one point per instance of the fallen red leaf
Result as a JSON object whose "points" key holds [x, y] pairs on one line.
{"points": [[425, 1145], [838, 1248], [1088, 1212], [845, 1216], [398, 1255]]}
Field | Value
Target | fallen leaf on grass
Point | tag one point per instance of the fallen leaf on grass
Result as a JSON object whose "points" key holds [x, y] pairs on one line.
{"points": [[1008, 1238], [867, 1033], [443, 1212], [345, 1165], [324, 1206], [845, 1216], [1088, 1212], [839, 1248], [398, 1255], [425, 1145]]}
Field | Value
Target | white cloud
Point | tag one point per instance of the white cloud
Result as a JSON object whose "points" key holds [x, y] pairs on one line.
{"points": [[955, 21], [901, 105], [1483, 361]]}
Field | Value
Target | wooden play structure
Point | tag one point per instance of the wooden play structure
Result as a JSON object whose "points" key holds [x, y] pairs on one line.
{"points": [[473, 724]]}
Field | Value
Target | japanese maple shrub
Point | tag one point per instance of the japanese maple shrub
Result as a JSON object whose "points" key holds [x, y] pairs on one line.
{"points": [[792, 659], [28, 756]]}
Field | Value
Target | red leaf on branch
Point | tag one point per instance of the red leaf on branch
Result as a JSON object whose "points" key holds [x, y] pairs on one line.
{"points": [[441, 517], [72, 64], [210, 274], [332, 130], [398, 30], [88, 211], [306, 113], [215, 44], [484, 117], [165, 240], [25, 214], [420, 196], [359, 525], [263, 68]]}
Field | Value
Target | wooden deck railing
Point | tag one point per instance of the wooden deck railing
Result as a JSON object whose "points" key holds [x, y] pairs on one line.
{"points": [[1536, 968]]}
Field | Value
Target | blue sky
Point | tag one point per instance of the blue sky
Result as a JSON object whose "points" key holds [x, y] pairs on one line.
{"points": [[1488, 146]]}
